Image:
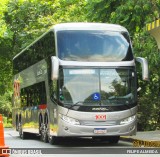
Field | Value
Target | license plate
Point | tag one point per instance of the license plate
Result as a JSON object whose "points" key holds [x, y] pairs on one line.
{"points": [[100, 131]]}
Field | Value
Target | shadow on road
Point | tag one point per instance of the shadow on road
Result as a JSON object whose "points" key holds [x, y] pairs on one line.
{"points": [[79, 142], [67, 141]]}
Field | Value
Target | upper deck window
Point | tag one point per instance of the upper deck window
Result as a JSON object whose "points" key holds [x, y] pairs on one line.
{"points": [[93, 46]]}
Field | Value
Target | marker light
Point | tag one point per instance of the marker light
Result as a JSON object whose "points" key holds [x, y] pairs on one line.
{"points": [[128, 120], [69, 120]]}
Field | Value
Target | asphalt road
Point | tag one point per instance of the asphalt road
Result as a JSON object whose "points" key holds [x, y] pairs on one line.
{"points": [[13, 140], [71, 147]]}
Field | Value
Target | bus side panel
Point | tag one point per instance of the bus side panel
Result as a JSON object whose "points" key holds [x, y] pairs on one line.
{"points": [[32, 96]]}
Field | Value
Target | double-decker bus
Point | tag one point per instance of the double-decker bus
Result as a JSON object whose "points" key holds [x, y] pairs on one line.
{"points": [[77, 80]]}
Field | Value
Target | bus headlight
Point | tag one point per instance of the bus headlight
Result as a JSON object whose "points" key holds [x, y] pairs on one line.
{"points": [[128, 120], [69, 120]]}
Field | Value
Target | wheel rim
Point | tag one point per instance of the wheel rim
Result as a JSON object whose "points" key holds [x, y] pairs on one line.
{"points": [[44, 132], [20, 129], [17, 125]]}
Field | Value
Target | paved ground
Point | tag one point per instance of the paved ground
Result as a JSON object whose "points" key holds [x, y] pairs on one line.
{"points": [[67, 147], [13, 140], [142, 139]]}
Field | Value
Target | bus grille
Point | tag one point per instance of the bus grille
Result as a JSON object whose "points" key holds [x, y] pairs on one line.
{"points": [[99, 123]]}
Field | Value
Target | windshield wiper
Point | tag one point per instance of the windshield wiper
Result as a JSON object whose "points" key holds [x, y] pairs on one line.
{"points": [[76, 104], [128, 96], [123, 100]]}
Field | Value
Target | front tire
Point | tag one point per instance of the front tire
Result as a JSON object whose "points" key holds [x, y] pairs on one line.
{"points": [[23, 135], [17, 124], [44, 130]]}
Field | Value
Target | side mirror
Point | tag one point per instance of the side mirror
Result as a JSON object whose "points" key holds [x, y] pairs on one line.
{"points": [[55, 68], [144, 64]]}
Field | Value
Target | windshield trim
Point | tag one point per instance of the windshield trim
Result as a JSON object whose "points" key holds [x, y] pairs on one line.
{"points": [[96, 64], [99, 108]]}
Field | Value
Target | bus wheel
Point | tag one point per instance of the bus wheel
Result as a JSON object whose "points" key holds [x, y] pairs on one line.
{"points": [[20, 128], [17, 123], [44, 132], [23, 135]]}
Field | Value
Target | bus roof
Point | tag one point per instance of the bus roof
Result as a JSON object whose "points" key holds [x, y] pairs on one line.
{"points": [[88, 26]]}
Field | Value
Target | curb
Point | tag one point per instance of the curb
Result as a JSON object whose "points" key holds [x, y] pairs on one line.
{"points": [[140, 143], [131, 139], [127, 139]]}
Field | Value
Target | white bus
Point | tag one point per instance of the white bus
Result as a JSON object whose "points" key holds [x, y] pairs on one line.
{"points": [[77, 80]]}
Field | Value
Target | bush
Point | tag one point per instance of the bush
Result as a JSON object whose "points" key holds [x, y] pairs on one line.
{"points": [[7, 122]]}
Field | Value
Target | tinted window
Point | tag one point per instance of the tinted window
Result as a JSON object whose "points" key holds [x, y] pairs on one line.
{"points": [[33, 95], [39, 50], [93, 46]]}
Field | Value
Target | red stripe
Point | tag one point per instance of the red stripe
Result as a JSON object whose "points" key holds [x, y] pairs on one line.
{"points": [[42, 106]]}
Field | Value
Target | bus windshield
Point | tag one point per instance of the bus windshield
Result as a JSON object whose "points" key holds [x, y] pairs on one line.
{"points": [[93, 46], [103, 87]]}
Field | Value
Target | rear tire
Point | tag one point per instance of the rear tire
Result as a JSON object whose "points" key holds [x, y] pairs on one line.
{"points": [[23, 135], [17, 124]]}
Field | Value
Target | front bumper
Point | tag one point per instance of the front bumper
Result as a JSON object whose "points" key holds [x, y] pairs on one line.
{"points": [[66, 129]]}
